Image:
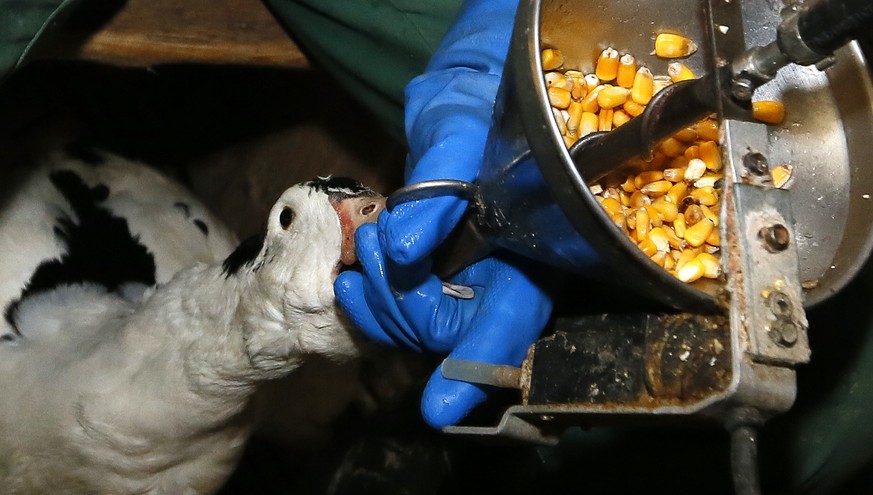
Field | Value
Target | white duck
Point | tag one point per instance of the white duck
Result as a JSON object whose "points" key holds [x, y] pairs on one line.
{"points": [[131, 370]]}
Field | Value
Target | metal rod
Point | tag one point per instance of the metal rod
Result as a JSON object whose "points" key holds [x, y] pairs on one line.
{"points": [[744, 459], [482, 373], [431, 189]]}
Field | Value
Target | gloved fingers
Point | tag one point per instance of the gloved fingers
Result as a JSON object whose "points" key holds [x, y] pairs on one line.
{"points": [[380, 298], [413, 230], [445, 402], [349, 291], [509, 317]]}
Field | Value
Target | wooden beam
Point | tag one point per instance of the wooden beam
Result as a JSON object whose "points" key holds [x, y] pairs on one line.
{"points": [[153, 32]]}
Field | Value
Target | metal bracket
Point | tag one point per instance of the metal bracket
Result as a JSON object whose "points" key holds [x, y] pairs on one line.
{"points": [[762, 264]]}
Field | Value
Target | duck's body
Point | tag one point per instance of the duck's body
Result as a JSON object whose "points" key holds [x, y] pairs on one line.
{"points": [[123, 383]]}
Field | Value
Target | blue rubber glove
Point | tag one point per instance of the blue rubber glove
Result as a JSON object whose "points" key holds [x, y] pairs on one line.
{"points": [[405, 305], [448, 113]]}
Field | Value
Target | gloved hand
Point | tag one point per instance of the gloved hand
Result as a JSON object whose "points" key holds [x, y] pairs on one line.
{"points": [[396, 300], [448, 114], [405, 304]]}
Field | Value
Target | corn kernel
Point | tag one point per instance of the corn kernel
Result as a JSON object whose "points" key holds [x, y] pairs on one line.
{"points": [[691, 271], [674, 174], [591, 81], [639, 199], [695, 170], [704, 196], [672, 238], [659, 83], [711, 155], [708, 213], [659, 237], [589, 103], [677, 192], [587, 123], [620, 118], [629, 185], [678, 162], [580, 88], [667, 210], [569, 139], [679, 226], [648, 247], [709, 180], [767, 111], [679, 72], [713, 239], [643, 225], [646, 177], [693, 215], [687, 135], [654, 216], [711, 266], [619, 220], [707, 129], [633, 108], [559, 97], [669, 263], [605, 120], [657, 188], [559, 120], [558, 80], [643, 87], [552, 59], [659, 258], [684, 257], [612, 96], [627, 69], [607, 65], [673, 46], [781, 175], [696, 234], [692, 152], [672, 147], [611, 205], [575, 116], [624, 198]]}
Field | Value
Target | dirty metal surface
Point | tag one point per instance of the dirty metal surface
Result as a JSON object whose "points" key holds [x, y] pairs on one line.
{"points": [[636, 360]]}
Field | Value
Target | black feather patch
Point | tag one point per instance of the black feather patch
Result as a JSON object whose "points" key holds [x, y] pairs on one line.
{"points": [[339, 188], [99, 246], [185, 208], [244, 254], [200, 224]]}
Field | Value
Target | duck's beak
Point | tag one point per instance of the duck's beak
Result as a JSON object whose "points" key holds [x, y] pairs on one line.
{"points": [[352, 213]]}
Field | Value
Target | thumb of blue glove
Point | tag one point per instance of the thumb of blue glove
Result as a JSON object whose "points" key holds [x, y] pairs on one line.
{"points": [[405, 304], [448, 114]]}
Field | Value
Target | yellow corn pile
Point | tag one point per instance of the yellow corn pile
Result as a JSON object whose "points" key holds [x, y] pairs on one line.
{"points": [[670, 210]]}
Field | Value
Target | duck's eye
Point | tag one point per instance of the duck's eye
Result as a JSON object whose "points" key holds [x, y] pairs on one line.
{"points": [[286, 217]]}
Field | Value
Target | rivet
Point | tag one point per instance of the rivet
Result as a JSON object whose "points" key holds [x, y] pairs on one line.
{"points": [[776, 237]]}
